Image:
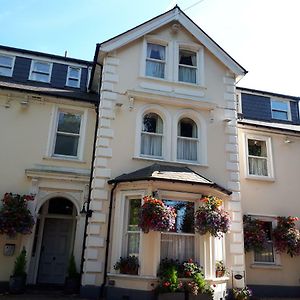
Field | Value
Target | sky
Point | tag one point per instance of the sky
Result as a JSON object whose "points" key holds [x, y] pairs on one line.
{"points": [[262, 35]]}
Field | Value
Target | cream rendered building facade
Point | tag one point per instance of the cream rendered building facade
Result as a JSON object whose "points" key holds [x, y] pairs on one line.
{"points": [[36, 158], [271, 121], [142, 83]]}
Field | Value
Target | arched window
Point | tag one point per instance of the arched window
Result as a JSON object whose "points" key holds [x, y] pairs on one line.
{"points": [[187, 140], [152, 135]]}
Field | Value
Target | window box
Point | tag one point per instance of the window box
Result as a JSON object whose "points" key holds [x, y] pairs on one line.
{"points": [[199, 297]]}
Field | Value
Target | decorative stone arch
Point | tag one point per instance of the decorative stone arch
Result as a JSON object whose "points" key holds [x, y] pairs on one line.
{"points": [[166, 118], [201, 130], [44, 199]]}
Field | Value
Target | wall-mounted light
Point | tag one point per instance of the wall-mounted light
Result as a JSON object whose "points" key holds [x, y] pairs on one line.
{"points": [[131, 103], [24, 103], [86, 210], [287, 140]]}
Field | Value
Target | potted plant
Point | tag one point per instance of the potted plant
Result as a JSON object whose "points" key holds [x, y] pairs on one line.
{"points": [[255, 236], [220, 268], [14, 215], [72, 281], [242, 293], [128, 265], [170, 287], [196, 287], [17, 280], [286, 236], [211, 218], [155, 215]]}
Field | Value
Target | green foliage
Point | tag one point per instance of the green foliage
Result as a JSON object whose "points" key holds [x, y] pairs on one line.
{"points": [[72, 270], [128, 265], [20, 264]]}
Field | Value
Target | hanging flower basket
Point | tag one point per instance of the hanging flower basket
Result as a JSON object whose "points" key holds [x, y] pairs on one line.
{"points": [[155, 215], [14, 215], [255, 236], [286, 236], [211, 218]]}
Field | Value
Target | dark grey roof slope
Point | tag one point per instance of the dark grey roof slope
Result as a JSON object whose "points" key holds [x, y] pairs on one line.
{"points": [[168, 173], [38, 88], [48, 55]]}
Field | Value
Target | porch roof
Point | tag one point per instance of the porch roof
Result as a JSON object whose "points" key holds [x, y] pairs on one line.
{"points": [[171, 173]]}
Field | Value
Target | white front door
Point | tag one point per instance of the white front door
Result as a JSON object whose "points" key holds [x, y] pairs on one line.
{"points": [[55, 251]]}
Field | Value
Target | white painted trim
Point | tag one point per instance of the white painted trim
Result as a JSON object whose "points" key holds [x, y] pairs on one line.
{"points": [[164, 19], [201, 131], [166, 118], [52, 132], [12, 63], [43, 62], [270, 166], [78, 79]]}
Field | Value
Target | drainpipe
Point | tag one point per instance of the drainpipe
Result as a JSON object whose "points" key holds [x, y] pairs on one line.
{"points": [[91, 178], [108, 237]]}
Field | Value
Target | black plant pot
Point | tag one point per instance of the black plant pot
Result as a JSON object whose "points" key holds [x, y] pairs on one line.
{"points": [[17, 284], [72, 285]]}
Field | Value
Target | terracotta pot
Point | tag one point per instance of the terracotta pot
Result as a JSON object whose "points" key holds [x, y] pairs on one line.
{"points": [[220, 273]]}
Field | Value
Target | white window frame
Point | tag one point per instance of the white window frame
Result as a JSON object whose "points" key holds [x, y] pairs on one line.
{"points": [[32, 70], [53, 131], [74, 78], [11, 67], [201, 136], [288, 111], [120, 214], [154, 40], [277, 261], [199, 50], [269, 158], [166, 139]]}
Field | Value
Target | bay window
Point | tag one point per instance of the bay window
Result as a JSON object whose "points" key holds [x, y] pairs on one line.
{"points": [[132, 231], [180, 243], [152, 135]]}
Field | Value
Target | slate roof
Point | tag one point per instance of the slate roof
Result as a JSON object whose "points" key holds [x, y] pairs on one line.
{"points": [[168, 173], [38, 88]]}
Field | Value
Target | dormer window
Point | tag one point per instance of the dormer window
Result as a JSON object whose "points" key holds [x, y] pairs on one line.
{"points": [[280, 110], [73, 77], [187, 71], [6, 65], [155, 60], [40, 71]]}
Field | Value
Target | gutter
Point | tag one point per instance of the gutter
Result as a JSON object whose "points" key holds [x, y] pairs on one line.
{"points": [[108, 238], [90, 182]]}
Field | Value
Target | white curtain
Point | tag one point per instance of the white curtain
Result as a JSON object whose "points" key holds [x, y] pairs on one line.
{"points": [[155, 68], [258, 166], [266, 255], [187, 148], [177, 246], [133, 243], [151, 144], [187, 74]]}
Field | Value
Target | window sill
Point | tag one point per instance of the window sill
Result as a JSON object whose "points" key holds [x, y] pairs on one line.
{"points": [[135, 277], [68, 159], [260, 178], [266, 266], [170, 161], [186, 84]]}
